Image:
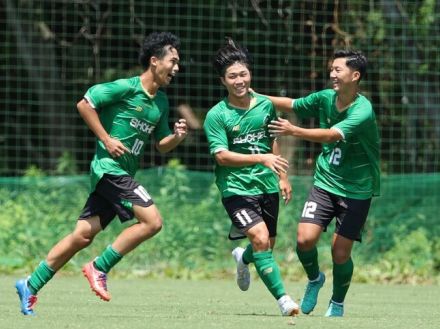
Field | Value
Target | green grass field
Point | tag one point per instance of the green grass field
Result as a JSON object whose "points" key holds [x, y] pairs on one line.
{"points": [[66, 302]]}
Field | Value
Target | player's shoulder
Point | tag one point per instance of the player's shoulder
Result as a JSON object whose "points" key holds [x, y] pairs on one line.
{"points": [[327, 93], [364, 103], [218, 108], [263, 101], [216, 113], [123, 85], [132, 82]]}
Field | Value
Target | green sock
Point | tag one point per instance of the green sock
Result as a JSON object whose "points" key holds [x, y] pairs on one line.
{"points": [[309, 260], [248, 255], [42, 275], [342, 274], [269, 272], [109, 258]]}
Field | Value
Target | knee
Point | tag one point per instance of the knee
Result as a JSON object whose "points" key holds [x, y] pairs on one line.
{"points": [[81, 239], [307, 237], [340, 256], [304, 243], [156, 225], [152, 226], [260, 243]]}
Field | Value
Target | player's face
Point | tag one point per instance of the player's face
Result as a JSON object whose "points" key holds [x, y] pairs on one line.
{"points": [[237, 80], [167, 67], [341, 75]]}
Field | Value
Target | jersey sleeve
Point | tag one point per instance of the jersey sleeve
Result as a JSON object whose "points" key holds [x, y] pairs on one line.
{"points": [[308, 107], [215, 132], [162, 129], [359, 117], [104, 94]]}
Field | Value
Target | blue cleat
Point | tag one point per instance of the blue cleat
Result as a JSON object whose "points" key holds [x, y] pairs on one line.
{"points": [[310, 298], [335, 309], [27, 300]]}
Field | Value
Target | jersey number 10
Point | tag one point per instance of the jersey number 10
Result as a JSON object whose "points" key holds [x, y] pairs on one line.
{"points": [[137, 147]]}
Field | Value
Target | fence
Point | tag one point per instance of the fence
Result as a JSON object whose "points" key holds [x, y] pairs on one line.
{"points": [[52, 51]]}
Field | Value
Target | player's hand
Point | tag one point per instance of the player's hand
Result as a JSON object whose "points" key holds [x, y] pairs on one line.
{"points": [[280, 127], [286, 189], [115, 147], [181, 129], [275, 162]]}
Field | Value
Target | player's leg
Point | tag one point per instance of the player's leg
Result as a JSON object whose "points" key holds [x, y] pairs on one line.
{"points": [[267, 268], [308, 235], [351, 217], [57, 257], [270, 216], [269, 211], [246, 215], [342, 273], [317, 214], [149, 224]]}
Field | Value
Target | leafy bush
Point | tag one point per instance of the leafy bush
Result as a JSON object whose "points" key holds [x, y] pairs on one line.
{"points": [[400, 243]]}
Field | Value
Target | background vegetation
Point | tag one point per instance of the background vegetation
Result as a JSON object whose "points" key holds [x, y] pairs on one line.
{"points": [[400, 242], [52, 51]]}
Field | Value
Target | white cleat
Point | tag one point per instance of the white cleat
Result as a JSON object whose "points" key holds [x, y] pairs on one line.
{"points": [[287, 306], [243, 275]]}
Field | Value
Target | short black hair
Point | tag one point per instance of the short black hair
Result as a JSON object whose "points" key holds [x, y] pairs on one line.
{"points": [[229, 54], [355, 60], [154, 45]]}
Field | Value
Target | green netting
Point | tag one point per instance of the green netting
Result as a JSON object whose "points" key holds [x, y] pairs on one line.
{"points": [[400, 238], [52, 51]]}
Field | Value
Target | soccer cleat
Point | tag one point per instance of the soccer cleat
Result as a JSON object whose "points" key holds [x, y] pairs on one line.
{"points": [[27, 300], [97, 281], [243, 275], [335, 309], [310, 298], [287, 306]]}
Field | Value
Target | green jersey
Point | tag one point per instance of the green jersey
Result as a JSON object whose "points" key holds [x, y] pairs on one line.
{"points": [[246, 132], [129, 115], [349, 167]]}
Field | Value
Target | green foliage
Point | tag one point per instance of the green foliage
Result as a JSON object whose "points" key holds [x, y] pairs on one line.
{"points": [[66, 164], [400, 242], [33, 171]]}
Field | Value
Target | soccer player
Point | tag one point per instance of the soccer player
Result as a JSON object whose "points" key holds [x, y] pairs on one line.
{"points": [[122, 114], [347, 172], [247, 168]]}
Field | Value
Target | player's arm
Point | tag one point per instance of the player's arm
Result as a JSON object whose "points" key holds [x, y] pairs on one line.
{"points": [[283, 104], [233, 159], [169, 142], [282, 127], [285, 186], [91, 118]]}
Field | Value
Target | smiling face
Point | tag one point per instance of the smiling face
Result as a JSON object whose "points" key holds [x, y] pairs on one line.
{"points": [[237, 80], [165, 68], [342, 77]]}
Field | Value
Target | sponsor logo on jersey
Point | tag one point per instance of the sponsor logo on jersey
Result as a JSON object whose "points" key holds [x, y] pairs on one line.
{"points": [[142, 125], [236, 128], [249, 138], [138, 108]]}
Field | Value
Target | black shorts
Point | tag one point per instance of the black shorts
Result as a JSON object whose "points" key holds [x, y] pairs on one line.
{"points": [[247, 211], [115, 195], [351, 214]]}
